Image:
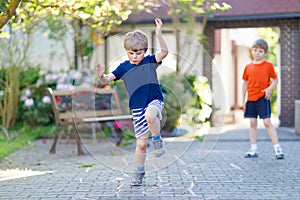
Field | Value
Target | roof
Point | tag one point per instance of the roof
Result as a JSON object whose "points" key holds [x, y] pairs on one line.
{"points": [[259, 9], [240, 9]]}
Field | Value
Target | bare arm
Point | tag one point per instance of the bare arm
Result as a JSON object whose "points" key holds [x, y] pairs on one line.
{"points": [[163, 46], [268, 90], [105, 79], [244, 91]]}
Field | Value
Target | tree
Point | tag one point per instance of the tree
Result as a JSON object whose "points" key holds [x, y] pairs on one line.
{"points": [[84, 16], [98, 15], [189, 10], [7, 11]]}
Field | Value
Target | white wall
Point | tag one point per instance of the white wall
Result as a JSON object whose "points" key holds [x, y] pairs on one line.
{"points": [[49, 53], [243, 60], [190, 50], [224, 74]]}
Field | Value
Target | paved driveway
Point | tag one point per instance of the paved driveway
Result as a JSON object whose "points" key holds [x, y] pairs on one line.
{"points": [[212, 169]]}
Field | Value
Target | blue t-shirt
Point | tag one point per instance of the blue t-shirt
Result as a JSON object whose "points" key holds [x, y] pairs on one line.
{"points": [[140, 81]]}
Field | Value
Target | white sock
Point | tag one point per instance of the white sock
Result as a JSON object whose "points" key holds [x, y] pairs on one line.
{"points": [[254, 146], [276, 146]]}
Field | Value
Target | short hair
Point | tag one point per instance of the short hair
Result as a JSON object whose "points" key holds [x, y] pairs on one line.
{"points": [[261, 43], [136, 40]]}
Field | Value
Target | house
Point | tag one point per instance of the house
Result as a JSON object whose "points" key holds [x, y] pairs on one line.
{"points": [[223, 63]]}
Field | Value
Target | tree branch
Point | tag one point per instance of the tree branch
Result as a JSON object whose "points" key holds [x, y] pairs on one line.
{"points": [[9, 12]]}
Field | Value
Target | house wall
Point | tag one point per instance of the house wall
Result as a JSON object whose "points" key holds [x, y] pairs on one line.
{"points": [[184, 53], [225, 68], [243, 59], [48, 54]]}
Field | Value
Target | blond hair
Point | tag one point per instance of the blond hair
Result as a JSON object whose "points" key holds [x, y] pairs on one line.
{"points": [[136, 40]]}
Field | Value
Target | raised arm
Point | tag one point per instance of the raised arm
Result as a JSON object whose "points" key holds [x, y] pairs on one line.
{"points": [[105, 79], [160, 55]]}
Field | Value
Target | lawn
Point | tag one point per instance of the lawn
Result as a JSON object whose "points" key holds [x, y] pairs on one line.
{"points": [[21, 136]]}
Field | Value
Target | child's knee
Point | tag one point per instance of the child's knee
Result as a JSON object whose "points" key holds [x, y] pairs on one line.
{"points": [[142, 144], [151, 114], [267, 123], [253, 123], [149, 119]]}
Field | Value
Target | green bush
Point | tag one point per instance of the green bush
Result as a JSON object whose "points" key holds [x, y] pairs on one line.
{"points": [[185, 95], [38, 114], [35, 107], [176, 97], [201, 108]]}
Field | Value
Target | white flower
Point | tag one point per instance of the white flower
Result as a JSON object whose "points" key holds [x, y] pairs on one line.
{"points": [[60, 86], [64, 87], [46, 99], [29, 102], [27, 92], [39, 82], [51, 77], [63, 78]]}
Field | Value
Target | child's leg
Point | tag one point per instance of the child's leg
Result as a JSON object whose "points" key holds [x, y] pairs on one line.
{"points": [[271, 130], [140, 150], [151, 116], [252, 152], [253, 131], [274, 137], [140, 153]]}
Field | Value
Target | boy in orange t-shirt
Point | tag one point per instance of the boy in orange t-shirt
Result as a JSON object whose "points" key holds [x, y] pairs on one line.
{"points": [[259, 88]]}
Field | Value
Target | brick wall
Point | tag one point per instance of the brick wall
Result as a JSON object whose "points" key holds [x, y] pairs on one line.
{"points": [[290, 69]]}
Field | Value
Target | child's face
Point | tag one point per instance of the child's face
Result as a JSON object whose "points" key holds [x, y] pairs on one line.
{"points": [[136, 56], [258, 53]]}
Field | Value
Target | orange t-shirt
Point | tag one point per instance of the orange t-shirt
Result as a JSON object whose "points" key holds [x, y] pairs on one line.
{"points": [[258, 77]]}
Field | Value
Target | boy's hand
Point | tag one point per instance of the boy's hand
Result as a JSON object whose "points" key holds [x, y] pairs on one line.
{"points": [[100, 70], [268, 93], [159, 25], [244, 106]]}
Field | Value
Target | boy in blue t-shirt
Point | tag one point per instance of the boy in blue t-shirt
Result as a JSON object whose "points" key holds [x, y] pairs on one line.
{"points": [[145, 95]]}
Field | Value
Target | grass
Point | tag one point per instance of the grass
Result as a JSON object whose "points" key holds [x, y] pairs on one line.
{"points": [[89, 165], [24, 136], [199, 138]]}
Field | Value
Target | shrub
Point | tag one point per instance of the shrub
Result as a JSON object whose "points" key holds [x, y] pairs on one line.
{"points": [[186, 95], [201, 108], [176, 97], [35, 109]]}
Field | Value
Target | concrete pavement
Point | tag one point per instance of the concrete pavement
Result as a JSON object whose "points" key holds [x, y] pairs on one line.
{"points": [[212, 169]]}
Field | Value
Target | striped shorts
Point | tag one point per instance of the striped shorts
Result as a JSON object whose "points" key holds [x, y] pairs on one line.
{"points": [[139, 120]]}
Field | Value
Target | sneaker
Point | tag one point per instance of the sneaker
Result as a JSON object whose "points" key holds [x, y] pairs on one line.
{"points": [[137, 178], [251, 153], [279, 154], [159, 147]]}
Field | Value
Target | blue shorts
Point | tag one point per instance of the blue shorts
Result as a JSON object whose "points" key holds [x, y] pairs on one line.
{"points": [[260, 107], [139, 120]]}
